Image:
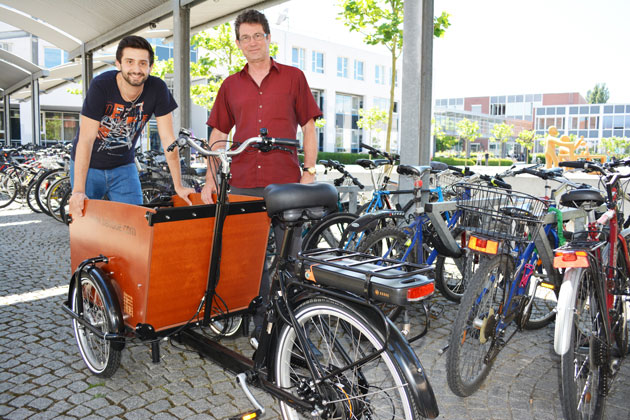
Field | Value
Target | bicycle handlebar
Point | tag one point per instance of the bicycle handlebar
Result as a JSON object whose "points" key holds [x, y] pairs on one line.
{"points": [[329, 163], [186, 139], [389, 156]]}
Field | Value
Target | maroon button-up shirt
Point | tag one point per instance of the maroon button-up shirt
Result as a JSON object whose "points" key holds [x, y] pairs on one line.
{"points": [[281, 102]]}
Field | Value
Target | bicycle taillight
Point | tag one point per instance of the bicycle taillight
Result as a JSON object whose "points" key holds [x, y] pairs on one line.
{"points": [[567, 259]]}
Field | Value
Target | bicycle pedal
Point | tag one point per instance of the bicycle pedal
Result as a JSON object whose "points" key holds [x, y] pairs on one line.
{"points": [[255, 414], [436, 312], [259, 410]]}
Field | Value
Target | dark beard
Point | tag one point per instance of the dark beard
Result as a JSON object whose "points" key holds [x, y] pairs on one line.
{"points": [[128, 80]]}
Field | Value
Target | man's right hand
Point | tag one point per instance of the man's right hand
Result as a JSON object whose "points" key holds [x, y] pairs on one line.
{"points": [[76, 203], [207, 191]]}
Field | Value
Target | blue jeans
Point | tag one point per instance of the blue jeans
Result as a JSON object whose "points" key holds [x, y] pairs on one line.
{"points": [[120, 184]]}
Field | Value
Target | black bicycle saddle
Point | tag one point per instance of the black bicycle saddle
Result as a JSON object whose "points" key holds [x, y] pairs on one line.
{"points": [[283, 197]]}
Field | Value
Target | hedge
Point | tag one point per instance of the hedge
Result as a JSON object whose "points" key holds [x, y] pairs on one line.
{"points": [[345, 158]]}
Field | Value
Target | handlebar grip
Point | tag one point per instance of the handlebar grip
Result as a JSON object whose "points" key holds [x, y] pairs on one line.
{"points": [[285, 142], [575, 164]]}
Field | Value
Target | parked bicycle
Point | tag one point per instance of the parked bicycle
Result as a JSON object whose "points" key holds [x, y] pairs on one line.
{"points": [[591, 333]]}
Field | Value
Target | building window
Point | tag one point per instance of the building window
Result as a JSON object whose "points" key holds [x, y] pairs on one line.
{"points": [[318, 62], [497, 109], [348, 134], [165, 51], [54, 57], [358, 70], [342, 67], [318, 95], [297, 58], [379, 74], [59, 126]]}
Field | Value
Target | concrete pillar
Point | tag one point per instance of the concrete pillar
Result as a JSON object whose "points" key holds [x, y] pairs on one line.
{"points": [[416, 98], [181, 55], [35, 115], [87, 69], [7, 119]]}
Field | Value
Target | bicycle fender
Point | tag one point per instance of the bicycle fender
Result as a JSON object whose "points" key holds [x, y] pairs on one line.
{"points": [[413, 372], [566, 310], [110, 298], [369, 220]]}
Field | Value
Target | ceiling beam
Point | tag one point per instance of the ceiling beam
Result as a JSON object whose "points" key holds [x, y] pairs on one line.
{"points": [[134, 25]]}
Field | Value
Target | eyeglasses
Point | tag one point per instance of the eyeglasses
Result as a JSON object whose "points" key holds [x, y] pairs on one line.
{"points": [[244, 39]]}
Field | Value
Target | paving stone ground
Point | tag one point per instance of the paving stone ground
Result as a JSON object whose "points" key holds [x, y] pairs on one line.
{"points": [[42, 375]]}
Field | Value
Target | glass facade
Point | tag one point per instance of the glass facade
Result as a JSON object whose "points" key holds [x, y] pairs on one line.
{"points": [[342, 67], [59, 126], [297, 58], [317, 62], [348, 134]]}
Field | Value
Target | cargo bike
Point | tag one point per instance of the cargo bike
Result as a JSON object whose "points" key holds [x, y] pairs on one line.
{"points": [[326, 350]]}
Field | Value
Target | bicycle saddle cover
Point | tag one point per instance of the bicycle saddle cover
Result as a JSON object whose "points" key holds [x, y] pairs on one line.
{"points": [[579, 197], [282, 197], [412, 170]]}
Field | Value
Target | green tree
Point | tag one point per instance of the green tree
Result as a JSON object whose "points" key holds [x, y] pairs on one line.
{"points": [[598, 95], [372, 119], [526, 138], [502, 133], [468, 131], [381, 23], [218, 57], [615, 146], [443, 142]]}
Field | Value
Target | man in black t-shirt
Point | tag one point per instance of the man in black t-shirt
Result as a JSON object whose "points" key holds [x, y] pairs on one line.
{"points": [[116, 108]]}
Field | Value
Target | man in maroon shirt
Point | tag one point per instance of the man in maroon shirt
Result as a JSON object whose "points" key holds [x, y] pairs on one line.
{"points": [[264, 94]]}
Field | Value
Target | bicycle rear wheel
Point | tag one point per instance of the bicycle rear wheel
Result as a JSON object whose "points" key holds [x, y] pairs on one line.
{"points": [[339, 336], [475, 338], [328, 232], [544, 300], [582, 367]]}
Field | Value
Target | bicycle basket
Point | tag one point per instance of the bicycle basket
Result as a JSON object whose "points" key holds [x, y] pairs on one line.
{"points": [[498, 213]]}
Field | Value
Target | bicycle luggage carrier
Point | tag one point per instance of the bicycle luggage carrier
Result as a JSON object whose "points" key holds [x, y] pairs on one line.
{"points": [[499, 213], [370, 277]]}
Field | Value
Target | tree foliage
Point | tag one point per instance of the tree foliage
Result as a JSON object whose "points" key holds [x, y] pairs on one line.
{"points": [[372, 119], [218, 57], [469, 131], [615, 146], [443, 142], [501, 133], [381, 23], [598, 95]]}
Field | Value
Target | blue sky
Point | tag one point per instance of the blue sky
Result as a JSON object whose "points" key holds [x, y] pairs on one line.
{"points": [[499, 47]]}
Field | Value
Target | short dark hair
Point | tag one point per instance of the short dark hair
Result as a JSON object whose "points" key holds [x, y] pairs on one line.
{"points": [[251, 16], [133, 41]]}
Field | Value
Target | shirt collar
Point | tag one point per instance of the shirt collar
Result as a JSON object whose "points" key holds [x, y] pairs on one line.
{"points": [[274, 65]]}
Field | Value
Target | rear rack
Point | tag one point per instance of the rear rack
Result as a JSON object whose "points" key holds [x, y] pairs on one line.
{"points": [[376, 278]]}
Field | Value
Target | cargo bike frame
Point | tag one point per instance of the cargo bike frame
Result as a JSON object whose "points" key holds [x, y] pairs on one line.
{"points": [[326, 350]]}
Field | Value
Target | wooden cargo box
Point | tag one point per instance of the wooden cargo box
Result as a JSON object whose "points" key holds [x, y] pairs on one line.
{"points": [[159, 258]]}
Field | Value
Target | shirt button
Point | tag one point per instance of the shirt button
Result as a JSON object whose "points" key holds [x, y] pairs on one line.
{"points": [[258, 166], [260, 93], [260, 106], [259, 121]]}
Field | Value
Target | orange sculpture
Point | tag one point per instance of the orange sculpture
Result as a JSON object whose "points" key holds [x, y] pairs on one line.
{"points": [[566, 149]]}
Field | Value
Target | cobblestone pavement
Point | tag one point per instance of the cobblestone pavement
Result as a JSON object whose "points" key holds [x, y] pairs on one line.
{"points": [[42, 375]]}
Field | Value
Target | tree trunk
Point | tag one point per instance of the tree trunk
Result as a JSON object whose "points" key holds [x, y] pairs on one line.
{"points": [[390, 113]]}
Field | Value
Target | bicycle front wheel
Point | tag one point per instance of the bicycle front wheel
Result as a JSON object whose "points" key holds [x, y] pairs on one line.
{"points": [[582, 367], [337, 337], [8, 190], [475, 338]]}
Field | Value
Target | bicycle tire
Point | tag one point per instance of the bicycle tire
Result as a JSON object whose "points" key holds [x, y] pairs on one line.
{"points": [[64, 207], [339, 335], [328, 232], [449, 280], [620, 328], [44, 182], [31, 197], [475, 326], [101, 356], [389, 242], [8, 190], [584, 391], [545, 301], [55, 197], [150, 192]]}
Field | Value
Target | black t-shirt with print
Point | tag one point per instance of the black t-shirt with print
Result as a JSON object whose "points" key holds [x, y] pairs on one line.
{"points": [[121, 122]]}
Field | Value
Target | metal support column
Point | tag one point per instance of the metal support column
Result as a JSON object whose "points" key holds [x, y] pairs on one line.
{"points": [[417, 78], [181, 55], [7, 119], [35, 114], [87, 69]]}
